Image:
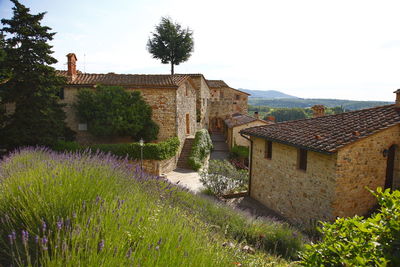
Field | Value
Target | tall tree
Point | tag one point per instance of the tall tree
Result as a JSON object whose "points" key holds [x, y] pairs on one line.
{"points": [[33, 85], [171, 43]]}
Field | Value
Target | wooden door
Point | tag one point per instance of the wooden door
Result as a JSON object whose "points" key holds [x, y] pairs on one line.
{"points": [[390, 167], [187, 124]]}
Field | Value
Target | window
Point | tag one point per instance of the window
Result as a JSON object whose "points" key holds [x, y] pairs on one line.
{"points": [[82, 127], [186, 91], [268, 149], [237, 97], [302, 159]]}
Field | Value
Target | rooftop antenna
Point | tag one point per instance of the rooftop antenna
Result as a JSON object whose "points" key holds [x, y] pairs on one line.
{"points": [[84, 63]]}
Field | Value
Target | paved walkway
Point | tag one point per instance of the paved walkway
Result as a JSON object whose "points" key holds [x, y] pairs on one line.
{"points": [[187, 178], [221, 150]]}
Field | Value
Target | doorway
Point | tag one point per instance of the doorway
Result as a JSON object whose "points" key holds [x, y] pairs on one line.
{"points": [[187, 124], [390, 167]]}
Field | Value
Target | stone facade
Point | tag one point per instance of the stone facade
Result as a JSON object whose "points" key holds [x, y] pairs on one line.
{"points": [[233, 136], [202, 100], [185, 109], [297, 195], [332, 185], [360, 165]]}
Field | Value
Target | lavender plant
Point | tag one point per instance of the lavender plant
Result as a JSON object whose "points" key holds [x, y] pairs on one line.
{"points": [[66, 209]]}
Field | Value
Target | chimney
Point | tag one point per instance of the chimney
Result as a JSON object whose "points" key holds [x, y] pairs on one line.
{"points": [[397, 104], [256, 115], [318, 111], [72, 64], [271, 118]]}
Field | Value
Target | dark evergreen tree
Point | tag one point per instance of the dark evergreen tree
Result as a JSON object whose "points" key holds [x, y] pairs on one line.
{"points": [[33, 84], [171, 43]]}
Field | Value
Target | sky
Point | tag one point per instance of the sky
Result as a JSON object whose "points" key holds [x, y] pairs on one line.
{"points": [[343, 49]]}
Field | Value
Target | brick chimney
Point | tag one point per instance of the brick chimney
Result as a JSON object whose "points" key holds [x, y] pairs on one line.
{"points": [[256, 115], [271, 118], [318, 111], [72, 64], [397, 103]]}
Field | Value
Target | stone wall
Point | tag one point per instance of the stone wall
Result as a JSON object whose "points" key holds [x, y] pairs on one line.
{"points": [[158, 167], [237, 139], [186, 104], [202, 101], [361, 165], [161, 100], [301, 196], [224, 103]]}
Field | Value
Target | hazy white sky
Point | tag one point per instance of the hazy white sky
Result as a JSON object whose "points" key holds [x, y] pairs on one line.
{"points": [[347, 49]]}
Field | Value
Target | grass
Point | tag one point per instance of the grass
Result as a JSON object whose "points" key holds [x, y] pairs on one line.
{"points": [[95, 210]]}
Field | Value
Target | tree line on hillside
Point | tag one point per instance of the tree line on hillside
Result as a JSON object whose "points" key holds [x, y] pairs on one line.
{"points": [[288, 114], [307, 103]]}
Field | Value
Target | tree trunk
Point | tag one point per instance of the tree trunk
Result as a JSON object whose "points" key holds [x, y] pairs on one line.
{"points": [[172, 68]]}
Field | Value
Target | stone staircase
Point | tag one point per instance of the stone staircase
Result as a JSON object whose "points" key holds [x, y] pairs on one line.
{"points": [[187, 148]]}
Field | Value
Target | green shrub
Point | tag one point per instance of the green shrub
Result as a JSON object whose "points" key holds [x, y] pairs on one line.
{"points": [[223, 178], [156, 151], [358, 241], [241, 152], [201, 148]]}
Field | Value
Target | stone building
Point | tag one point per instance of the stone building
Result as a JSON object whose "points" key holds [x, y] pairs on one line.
{"points": [[172, 98], [319, 168], [225, 101], [202, 100], [238, 122]]}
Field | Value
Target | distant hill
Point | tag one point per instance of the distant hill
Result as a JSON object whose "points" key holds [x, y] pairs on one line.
{"points": [[307, 103], [271, 94]]}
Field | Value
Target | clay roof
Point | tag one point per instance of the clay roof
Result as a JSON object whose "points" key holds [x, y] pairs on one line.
{"points": [[216, 83], [240, 119], [219, 84], [131, 80], [328, 134]]}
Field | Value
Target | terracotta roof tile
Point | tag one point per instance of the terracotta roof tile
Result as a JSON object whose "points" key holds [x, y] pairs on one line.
{"points": [[328, 134], [132, 80], [240, 119], [216, 83]]}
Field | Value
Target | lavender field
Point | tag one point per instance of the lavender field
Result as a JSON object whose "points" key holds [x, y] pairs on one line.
{"points": [[63, 209]]}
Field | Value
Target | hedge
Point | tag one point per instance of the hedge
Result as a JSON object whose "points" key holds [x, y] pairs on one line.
{"points": [[240, 152], [155, 151], [201, 148]]}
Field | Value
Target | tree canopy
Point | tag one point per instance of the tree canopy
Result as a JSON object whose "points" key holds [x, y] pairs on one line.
{"points": [[171, 43], [31, 84], [110, 111]]}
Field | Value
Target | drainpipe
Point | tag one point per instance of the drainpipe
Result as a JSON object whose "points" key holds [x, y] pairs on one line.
{"points": [[250, 159]]}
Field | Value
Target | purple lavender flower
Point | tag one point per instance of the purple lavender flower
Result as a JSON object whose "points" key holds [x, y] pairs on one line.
{"points": [[100, 246], [44, 226], [44, 242], [13, 235], [25, 237], [36, 239], [157, 248], [10, 239], [129, 253], [159, 241], [60, 224]]}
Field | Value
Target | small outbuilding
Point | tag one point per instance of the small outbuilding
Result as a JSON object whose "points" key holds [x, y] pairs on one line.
{"points": [[238, 122], [320, 168]]}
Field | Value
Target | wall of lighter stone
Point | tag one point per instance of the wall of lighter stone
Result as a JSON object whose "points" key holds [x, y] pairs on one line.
{"points": [[300, 196], [239, 140], [185, 105], [157, 167], [163, 104], [362, 165], [205, 94]]}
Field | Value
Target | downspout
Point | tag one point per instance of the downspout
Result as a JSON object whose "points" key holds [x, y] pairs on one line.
{"points": [[251, 161]]}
